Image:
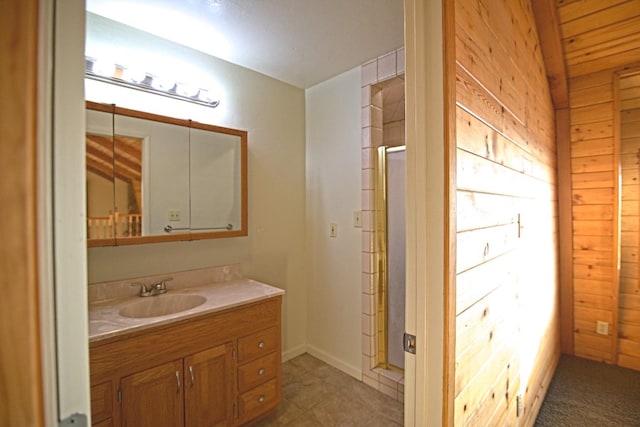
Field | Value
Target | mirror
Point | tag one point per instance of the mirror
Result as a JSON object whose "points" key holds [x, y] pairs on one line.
{"points": [[153, 178]]}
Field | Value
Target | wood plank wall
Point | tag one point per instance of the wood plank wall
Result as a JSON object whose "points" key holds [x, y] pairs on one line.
{"points": [[629, 297], [598, 38], [507, 321]]}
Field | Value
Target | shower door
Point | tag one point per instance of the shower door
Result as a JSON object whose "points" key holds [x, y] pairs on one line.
{"points": [[392, 232]]}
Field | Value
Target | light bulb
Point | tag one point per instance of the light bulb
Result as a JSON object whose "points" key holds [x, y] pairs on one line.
{"points": [[162, 83], [186, 90], [104, 68]]}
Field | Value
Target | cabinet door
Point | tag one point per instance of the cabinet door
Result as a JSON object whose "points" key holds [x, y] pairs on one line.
{"points": [[209, 387], [154, 397]]}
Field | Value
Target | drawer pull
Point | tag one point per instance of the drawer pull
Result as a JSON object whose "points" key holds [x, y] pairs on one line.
{"points": [[261, 372], [261, 399], [261, 344]]}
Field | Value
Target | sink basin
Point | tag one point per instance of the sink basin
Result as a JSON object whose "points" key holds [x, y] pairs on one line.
{"points": [[161, 305]]}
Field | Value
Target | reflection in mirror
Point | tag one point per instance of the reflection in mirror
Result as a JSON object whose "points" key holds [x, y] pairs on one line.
{"points": [[114, 186], [127, 165], [99, 176]]}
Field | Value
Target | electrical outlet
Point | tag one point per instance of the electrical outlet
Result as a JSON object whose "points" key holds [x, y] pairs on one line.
{"points": [[333, 230], [602, 328], [174, 215], [357, 219]]}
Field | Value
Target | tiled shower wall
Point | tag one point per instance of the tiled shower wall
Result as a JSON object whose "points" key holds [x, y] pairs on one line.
{"points": [[374, 72]]}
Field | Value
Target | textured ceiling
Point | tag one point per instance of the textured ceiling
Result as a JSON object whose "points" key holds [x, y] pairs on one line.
{"points": [[301, 42]]}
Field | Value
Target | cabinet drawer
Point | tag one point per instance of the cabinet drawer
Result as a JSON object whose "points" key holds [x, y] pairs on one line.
{"points": [[257, 345], [259, 400], [101, 402], [257, 372]]}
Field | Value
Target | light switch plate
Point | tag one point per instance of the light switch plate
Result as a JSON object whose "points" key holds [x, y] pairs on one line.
{"points": [[357, 219]]}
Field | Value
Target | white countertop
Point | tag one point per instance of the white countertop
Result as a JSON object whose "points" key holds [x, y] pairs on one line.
{"points": [[106, 322]]}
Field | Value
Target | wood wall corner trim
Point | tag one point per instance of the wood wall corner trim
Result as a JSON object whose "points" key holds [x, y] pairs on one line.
{"points": [[549, 34], [565, 218]]}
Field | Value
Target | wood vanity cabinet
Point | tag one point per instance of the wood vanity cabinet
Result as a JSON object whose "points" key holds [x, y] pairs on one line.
{"points": [[219, 369]]}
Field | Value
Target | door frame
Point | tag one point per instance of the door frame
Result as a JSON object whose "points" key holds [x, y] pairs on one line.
{"points": [[430, 104]]}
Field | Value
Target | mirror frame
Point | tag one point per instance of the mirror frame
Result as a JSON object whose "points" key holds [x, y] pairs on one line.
{"points": [[198, 235]]}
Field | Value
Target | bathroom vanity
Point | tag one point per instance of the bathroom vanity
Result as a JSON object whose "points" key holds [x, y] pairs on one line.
{"points": [[215, 364]]}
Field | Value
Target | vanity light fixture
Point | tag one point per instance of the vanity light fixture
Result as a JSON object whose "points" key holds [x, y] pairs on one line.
{"points": [[147, 82]]}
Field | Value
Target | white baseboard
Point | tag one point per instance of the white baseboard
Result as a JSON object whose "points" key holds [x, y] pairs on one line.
{"points": [[355, 372], [293, 352]]}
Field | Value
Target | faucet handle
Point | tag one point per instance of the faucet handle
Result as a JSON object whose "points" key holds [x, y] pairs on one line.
{"points": [[144, 291], [161, 287]]}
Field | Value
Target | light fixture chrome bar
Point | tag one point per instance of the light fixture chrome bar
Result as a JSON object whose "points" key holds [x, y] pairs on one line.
{"points": [[146, 86]]}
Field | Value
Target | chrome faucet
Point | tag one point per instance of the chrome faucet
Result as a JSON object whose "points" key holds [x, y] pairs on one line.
{"points": [[153, 290]]}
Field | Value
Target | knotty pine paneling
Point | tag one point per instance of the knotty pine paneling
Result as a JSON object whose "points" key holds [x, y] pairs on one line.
{"points": [[598, 38], [593, 153], [629, 289], [507, 327]]}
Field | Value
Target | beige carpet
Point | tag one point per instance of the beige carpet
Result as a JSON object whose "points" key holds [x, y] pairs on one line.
{"points": [[584, 393]]}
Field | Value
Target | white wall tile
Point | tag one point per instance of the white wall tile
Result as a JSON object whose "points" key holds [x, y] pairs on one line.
{"points": [[367, 284], [367, 158], [365, 137], [368, 242], [376, 117], [367, 197], [367, 180], [366, 117], [387, 66], [377, 138], [369, 73], [365, 96], [400, 61]]}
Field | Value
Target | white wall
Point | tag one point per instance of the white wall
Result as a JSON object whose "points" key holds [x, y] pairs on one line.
{"points": [[273, 114], [333, 178]]}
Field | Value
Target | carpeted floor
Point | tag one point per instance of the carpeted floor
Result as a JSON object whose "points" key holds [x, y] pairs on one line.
{"points": [[584, 393]]}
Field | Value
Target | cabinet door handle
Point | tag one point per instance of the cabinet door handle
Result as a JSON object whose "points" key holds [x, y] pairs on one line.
{"points": [[261, 344], [178, 381], [261, 372], [261, 399], [191, 373]]}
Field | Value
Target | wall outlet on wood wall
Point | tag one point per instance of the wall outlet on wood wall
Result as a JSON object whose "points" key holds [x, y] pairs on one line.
{"points": [[602, 328]]}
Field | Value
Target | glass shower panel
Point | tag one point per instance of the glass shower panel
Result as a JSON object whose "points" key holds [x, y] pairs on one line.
{"points": [[396, 271]]}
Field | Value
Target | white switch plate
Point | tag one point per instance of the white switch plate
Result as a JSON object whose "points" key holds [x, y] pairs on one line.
{"points": [[357, 219], [174, 215], [602, 328], [333, 230]]}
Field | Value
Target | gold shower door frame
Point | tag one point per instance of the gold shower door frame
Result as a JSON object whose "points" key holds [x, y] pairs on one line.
{"points": [[381, 250]]}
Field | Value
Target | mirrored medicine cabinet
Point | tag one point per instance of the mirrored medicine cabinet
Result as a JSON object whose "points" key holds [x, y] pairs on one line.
{"points": [[153, 178]]}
